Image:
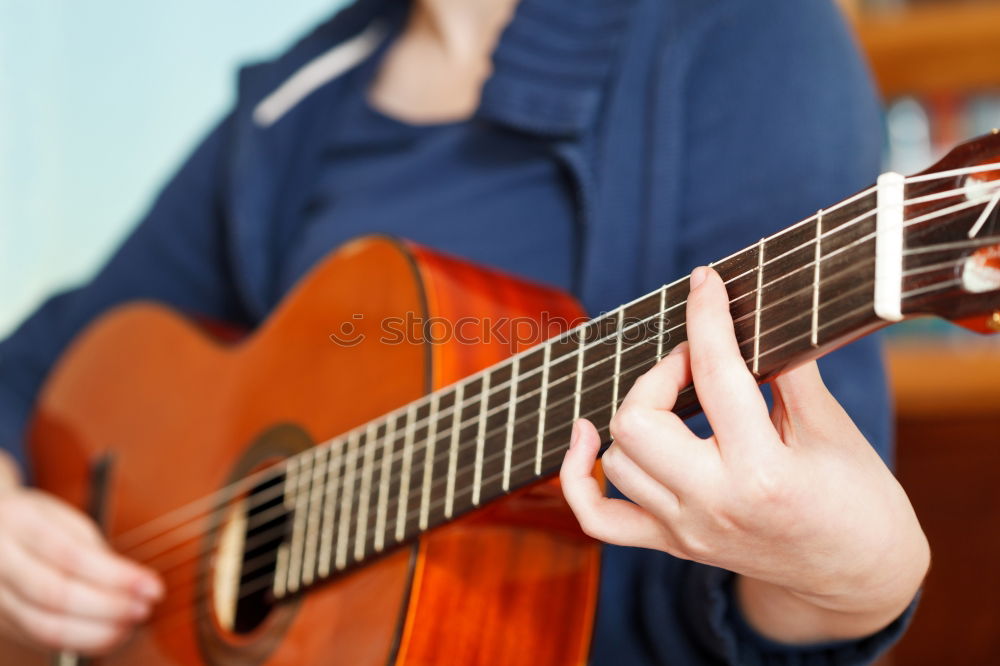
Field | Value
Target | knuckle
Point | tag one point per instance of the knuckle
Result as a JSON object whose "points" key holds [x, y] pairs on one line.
{"points": [[628, 423], [765, 488], [591, 527], [695, 547], [48, 593], [62, 553]]}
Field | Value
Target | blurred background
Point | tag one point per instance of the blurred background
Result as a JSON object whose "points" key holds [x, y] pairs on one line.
{"points": [[80, 161], [99, 103]]}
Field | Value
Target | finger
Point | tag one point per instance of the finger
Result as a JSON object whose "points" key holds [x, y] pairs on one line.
{"points": [[70, 519], [60, 632], [801, 392], [39, 584], [656, 439], [610, 520], [658, 387], [93, 564], [637, 485], [726, 390]]}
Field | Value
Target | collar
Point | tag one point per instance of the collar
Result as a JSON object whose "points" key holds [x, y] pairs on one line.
{"points": [[551, 65]]}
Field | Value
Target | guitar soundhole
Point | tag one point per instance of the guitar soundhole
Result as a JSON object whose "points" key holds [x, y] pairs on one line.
{"points": [[238, 619], [266, 525], [246, 557]]}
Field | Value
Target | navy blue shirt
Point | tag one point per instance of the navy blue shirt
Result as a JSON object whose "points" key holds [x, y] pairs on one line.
{"points": [[681, 131], [473, 188]]}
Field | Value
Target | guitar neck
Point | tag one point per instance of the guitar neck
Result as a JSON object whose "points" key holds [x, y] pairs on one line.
{"points": [[794, 296]]}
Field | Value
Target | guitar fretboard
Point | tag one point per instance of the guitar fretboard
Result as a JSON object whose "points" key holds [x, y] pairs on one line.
{"points": [[793, 295]]}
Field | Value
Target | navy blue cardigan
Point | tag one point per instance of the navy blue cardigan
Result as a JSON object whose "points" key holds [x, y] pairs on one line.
{"points": [[690, 128]]}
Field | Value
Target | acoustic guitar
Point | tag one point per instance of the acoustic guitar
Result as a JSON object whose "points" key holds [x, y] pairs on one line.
{"points": [[368, 478]]}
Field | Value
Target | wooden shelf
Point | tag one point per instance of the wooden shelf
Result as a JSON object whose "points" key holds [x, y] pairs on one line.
{"points": [[932, 381], [933, 49]]}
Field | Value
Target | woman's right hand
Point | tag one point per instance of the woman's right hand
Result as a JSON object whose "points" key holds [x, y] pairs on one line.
{"points": [[61, 586]]}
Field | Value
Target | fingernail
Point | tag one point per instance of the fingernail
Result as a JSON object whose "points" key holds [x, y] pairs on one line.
{"points": [[575, 435], [698, 276]]}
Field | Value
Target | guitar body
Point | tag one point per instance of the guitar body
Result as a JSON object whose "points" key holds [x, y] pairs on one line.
{"points": [[174, 415]]}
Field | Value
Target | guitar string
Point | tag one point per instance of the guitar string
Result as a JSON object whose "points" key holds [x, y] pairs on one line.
{"points": [[276, 512], [254, 584], [280, 511], [278, 489], [271, 472], [267, 557], [440, 457], [503, 386], [310, 540]]}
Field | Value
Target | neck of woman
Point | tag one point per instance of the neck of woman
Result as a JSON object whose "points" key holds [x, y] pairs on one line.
{"points": [[467, 30]]}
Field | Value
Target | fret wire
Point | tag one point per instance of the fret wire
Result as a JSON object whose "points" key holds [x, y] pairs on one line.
{"points": [[347, 499], [597, 410], [579, 373], [542, 406], [484, 398], [429, 458], [773, 328], [688, 389], [299, 521], [364, 497], [857, 242], [277, 468], [453, 449], [677, 282], [315, 513], [618, 361], [757, 308], [662, 315], [817, 259], [281, 567], [388, 453], [280, 571], [330, 500], [404, 483], [509, 438], [680, 304], [470, 421], [856, 311]]}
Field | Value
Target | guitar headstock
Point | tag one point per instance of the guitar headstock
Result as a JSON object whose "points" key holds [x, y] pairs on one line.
{"points": [[951, 223]]}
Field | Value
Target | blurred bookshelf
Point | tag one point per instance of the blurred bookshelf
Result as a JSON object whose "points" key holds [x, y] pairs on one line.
{"points": [[937, 64]]}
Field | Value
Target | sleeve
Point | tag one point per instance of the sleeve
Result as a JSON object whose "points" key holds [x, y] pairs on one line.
{"points": [[780, 120], [177, 255]]}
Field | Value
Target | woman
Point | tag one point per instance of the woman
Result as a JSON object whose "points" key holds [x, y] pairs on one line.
{"points": [[601, 146]]}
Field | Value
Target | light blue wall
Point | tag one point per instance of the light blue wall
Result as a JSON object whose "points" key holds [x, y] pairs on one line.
{"points": [[99, 102]]}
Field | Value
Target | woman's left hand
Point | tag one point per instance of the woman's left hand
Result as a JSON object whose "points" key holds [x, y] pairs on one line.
{"points": [[796, 501]]}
